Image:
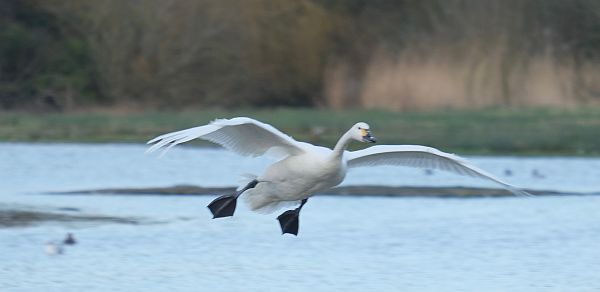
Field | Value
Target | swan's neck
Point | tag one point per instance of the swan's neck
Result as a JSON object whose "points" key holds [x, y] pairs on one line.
{"points": [[341, 145]]}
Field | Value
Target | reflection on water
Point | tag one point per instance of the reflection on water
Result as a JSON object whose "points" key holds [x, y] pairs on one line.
{"points": [[344, 244]]}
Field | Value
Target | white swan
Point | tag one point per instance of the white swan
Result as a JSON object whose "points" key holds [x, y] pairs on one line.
{"points": [[303, 168]]}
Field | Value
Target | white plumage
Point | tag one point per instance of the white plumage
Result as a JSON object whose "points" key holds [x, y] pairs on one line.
{"points": [[421, 157], [243, 136], [305, 168]]}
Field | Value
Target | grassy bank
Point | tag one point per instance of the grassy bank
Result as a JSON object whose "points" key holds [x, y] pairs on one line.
{"points": [[490, 131]]}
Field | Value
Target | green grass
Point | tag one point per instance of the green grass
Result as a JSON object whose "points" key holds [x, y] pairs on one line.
{"points": [[489, 131]]}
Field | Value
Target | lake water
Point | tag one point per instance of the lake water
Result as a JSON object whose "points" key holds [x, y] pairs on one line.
{"points": [[548, 243]]}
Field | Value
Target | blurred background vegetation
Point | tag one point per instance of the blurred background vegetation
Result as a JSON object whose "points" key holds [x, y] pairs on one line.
{"points": [[497, 76], [399, 55]]}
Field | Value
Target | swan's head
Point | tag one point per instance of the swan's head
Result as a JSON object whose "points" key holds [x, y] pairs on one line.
{"points": [[360, 132]]}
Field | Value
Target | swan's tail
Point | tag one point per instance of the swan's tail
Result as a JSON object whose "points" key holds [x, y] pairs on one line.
{"points": [[253, 198], [265, 204], [258, 198]]}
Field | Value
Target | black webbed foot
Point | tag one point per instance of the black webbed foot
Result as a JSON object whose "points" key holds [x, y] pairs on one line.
{"points": [[223, 206], [289, 221]]}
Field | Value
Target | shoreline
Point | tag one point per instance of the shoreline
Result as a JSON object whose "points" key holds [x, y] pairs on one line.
{"points": [[343, 191], [207, 145]]}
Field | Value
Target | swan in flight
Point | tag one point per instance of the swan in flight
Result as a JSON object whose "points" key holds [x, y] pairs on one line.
{"points": [[304, 169]]}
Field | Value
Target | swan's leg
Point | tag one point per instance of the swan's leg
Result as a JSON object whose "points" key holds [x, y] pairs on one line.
{"points": [[224, 205], [289, 220]]}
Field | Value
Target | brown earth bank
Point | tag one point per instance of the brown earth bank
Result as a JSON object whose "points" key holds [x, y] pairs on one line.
{"points": [[11, 216], [364, 190]]}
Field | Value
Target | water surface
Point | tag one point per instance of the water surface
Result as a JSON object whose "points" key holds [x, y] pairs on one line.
{"points": [[546, 243]]}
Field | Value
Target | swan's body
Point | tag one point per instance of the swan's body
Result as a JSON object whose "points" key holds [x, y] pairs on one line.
{"points": [[296, 177], [303, 168]]}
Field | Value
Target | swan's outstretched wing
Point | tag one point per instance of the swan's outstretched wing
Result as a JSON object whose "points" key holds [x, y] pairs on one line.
{"points": [[421, 157], [244, 136]]}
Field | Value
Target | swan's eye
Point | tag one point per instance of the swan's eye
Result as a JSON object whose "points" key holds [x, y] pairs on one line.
{"points": [[359, 128]]}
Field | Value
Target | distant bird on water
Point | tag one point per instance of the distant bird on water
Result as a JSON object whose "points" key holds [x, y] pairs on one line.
{"points": [[304, 169], [537, 174], [53, 248], [69, 240]]}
